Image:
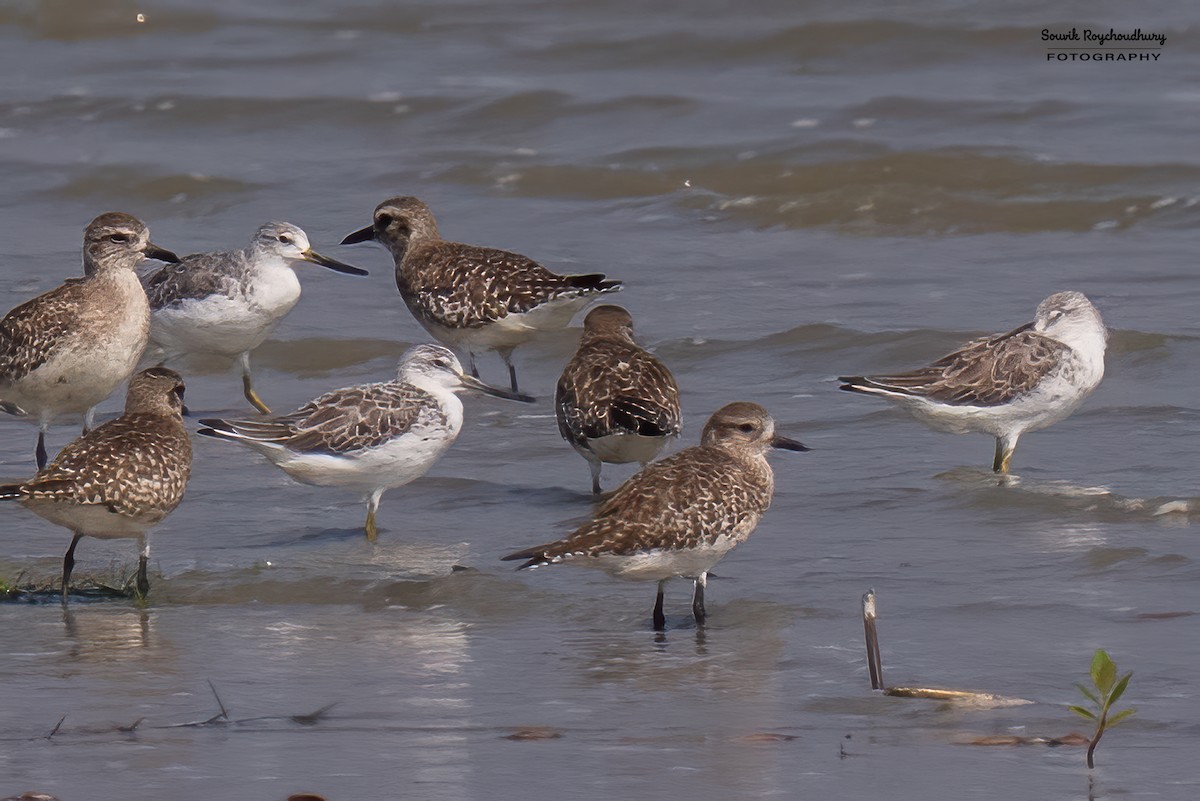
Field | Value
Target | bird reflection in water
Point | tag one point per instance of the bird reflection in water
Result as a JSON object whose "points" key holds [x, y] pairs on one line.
{"points": [[106, 633]]}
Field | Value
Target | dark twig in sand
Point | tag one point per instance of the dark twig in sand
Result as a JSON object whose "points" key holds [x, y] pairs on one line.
{"points": [[224, 714], [312, 718], [57, 726]]}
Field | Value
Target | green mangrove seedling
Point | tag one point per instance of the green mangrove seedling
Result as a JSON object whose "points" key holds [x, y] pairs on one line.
{"points": [[1108, 689]]}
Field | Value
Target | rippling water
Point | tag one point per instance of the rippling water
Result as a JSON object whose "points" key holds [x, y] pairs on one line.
{"points": [[791, 191]]}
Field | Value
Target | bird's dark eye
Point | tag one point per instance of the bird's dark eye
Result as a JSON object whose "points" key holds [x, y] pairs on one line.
{"points": [[285, 239], [119, 238], [441, 363], [383, 220], [747, 427]]}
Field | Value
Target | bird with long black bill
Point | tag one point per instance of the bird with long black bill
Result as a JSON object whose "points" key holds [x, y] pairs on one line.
{"points": [[368, 438], [226, 304]]}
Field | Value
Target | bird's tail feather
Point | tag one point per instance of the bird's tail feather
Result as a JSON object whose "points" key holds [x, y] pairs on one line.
{"points": [[595, 282], [536, 557], [11, 492], [247, 430]]}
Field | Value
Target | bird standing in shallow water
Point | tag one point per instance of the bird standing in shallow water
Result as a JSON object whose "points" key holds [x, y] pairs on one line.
{"points": [[64, 352], [228, 303], [121, 478], [369, 437], [680, 515], [1005, 384], [469, 297], [615, 402]]}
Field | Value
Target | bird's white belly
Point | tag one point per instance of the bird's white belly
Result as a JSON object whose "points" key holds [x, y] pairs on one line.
{"points": [[223, 325], [84, 370], [392, 464], [626, 448], [661, 563], [1056, 397], [511, 330], [90, 519]]}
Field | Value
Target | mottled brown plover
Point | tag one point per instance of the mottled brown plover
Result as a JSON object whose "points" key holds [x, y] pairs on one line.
{"points": [[474, 298], [122, 477], [228, 303], [67, 350], [370, 437], [615, 402], [1005, 384], [680, 515]]}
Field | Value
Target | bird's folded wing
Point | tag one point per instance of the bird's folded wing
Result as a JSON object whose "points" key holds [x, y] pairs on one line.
{"points": [[985, 372]]}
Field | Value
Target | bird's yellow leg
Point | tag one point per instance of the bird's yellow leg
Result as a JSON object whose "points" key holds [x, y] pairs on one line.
{"points": [[1003, 457], [371, 530], [252, 396], [248, 386]]}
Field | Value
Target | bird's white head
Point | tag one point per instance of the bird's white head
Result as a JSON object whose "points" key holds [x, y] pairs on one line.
{"points": [[281, 240], [1070, 318], [288, 243], [436, 369]]}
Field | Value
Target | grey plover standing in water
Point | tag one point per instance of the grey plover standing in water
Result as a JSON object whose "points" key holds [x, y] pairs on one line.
{"points": [[615, 402], [228, 303], [371, 437], [474, 298], [121, 478], [1005, 384], [680, 515], [67, 350]]}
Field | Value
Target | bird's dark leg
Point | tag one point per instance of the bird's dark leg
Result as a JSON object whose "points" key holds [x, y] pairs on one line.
{"points": [[506, 355], [698, 599], [595, 466], [660, 620], [42, 457], [143, 583], [69, 565]]}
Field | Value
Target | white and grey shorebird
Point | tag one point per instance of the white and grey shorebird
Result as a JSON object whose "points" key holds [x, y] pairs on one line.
{"points": [[1005, 384], [474, 298], [678, 516], [121, 478], [228, 303], [368, 438], [64, 352], [615, 402]]}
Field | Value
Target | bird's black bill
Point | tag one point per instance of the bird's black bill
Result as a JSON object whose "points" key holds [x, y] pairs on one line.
{"points": [[13, 409], [333, 264], [153, 251], [785, 444], [363, 235], [477, 385]]}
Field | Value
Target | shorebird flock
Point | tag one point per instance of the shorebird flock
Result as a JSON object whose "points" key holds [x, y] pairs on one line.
{"points": [[65, 351]]}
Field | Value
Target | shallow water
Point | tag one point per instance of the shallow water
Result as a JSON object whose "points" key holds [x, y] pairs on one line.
{"points": [[791, 191]]}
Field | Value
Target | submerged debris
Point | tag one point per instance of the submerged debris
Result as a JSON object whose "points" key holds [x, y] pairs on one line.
{"points": [[534, 733]]}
